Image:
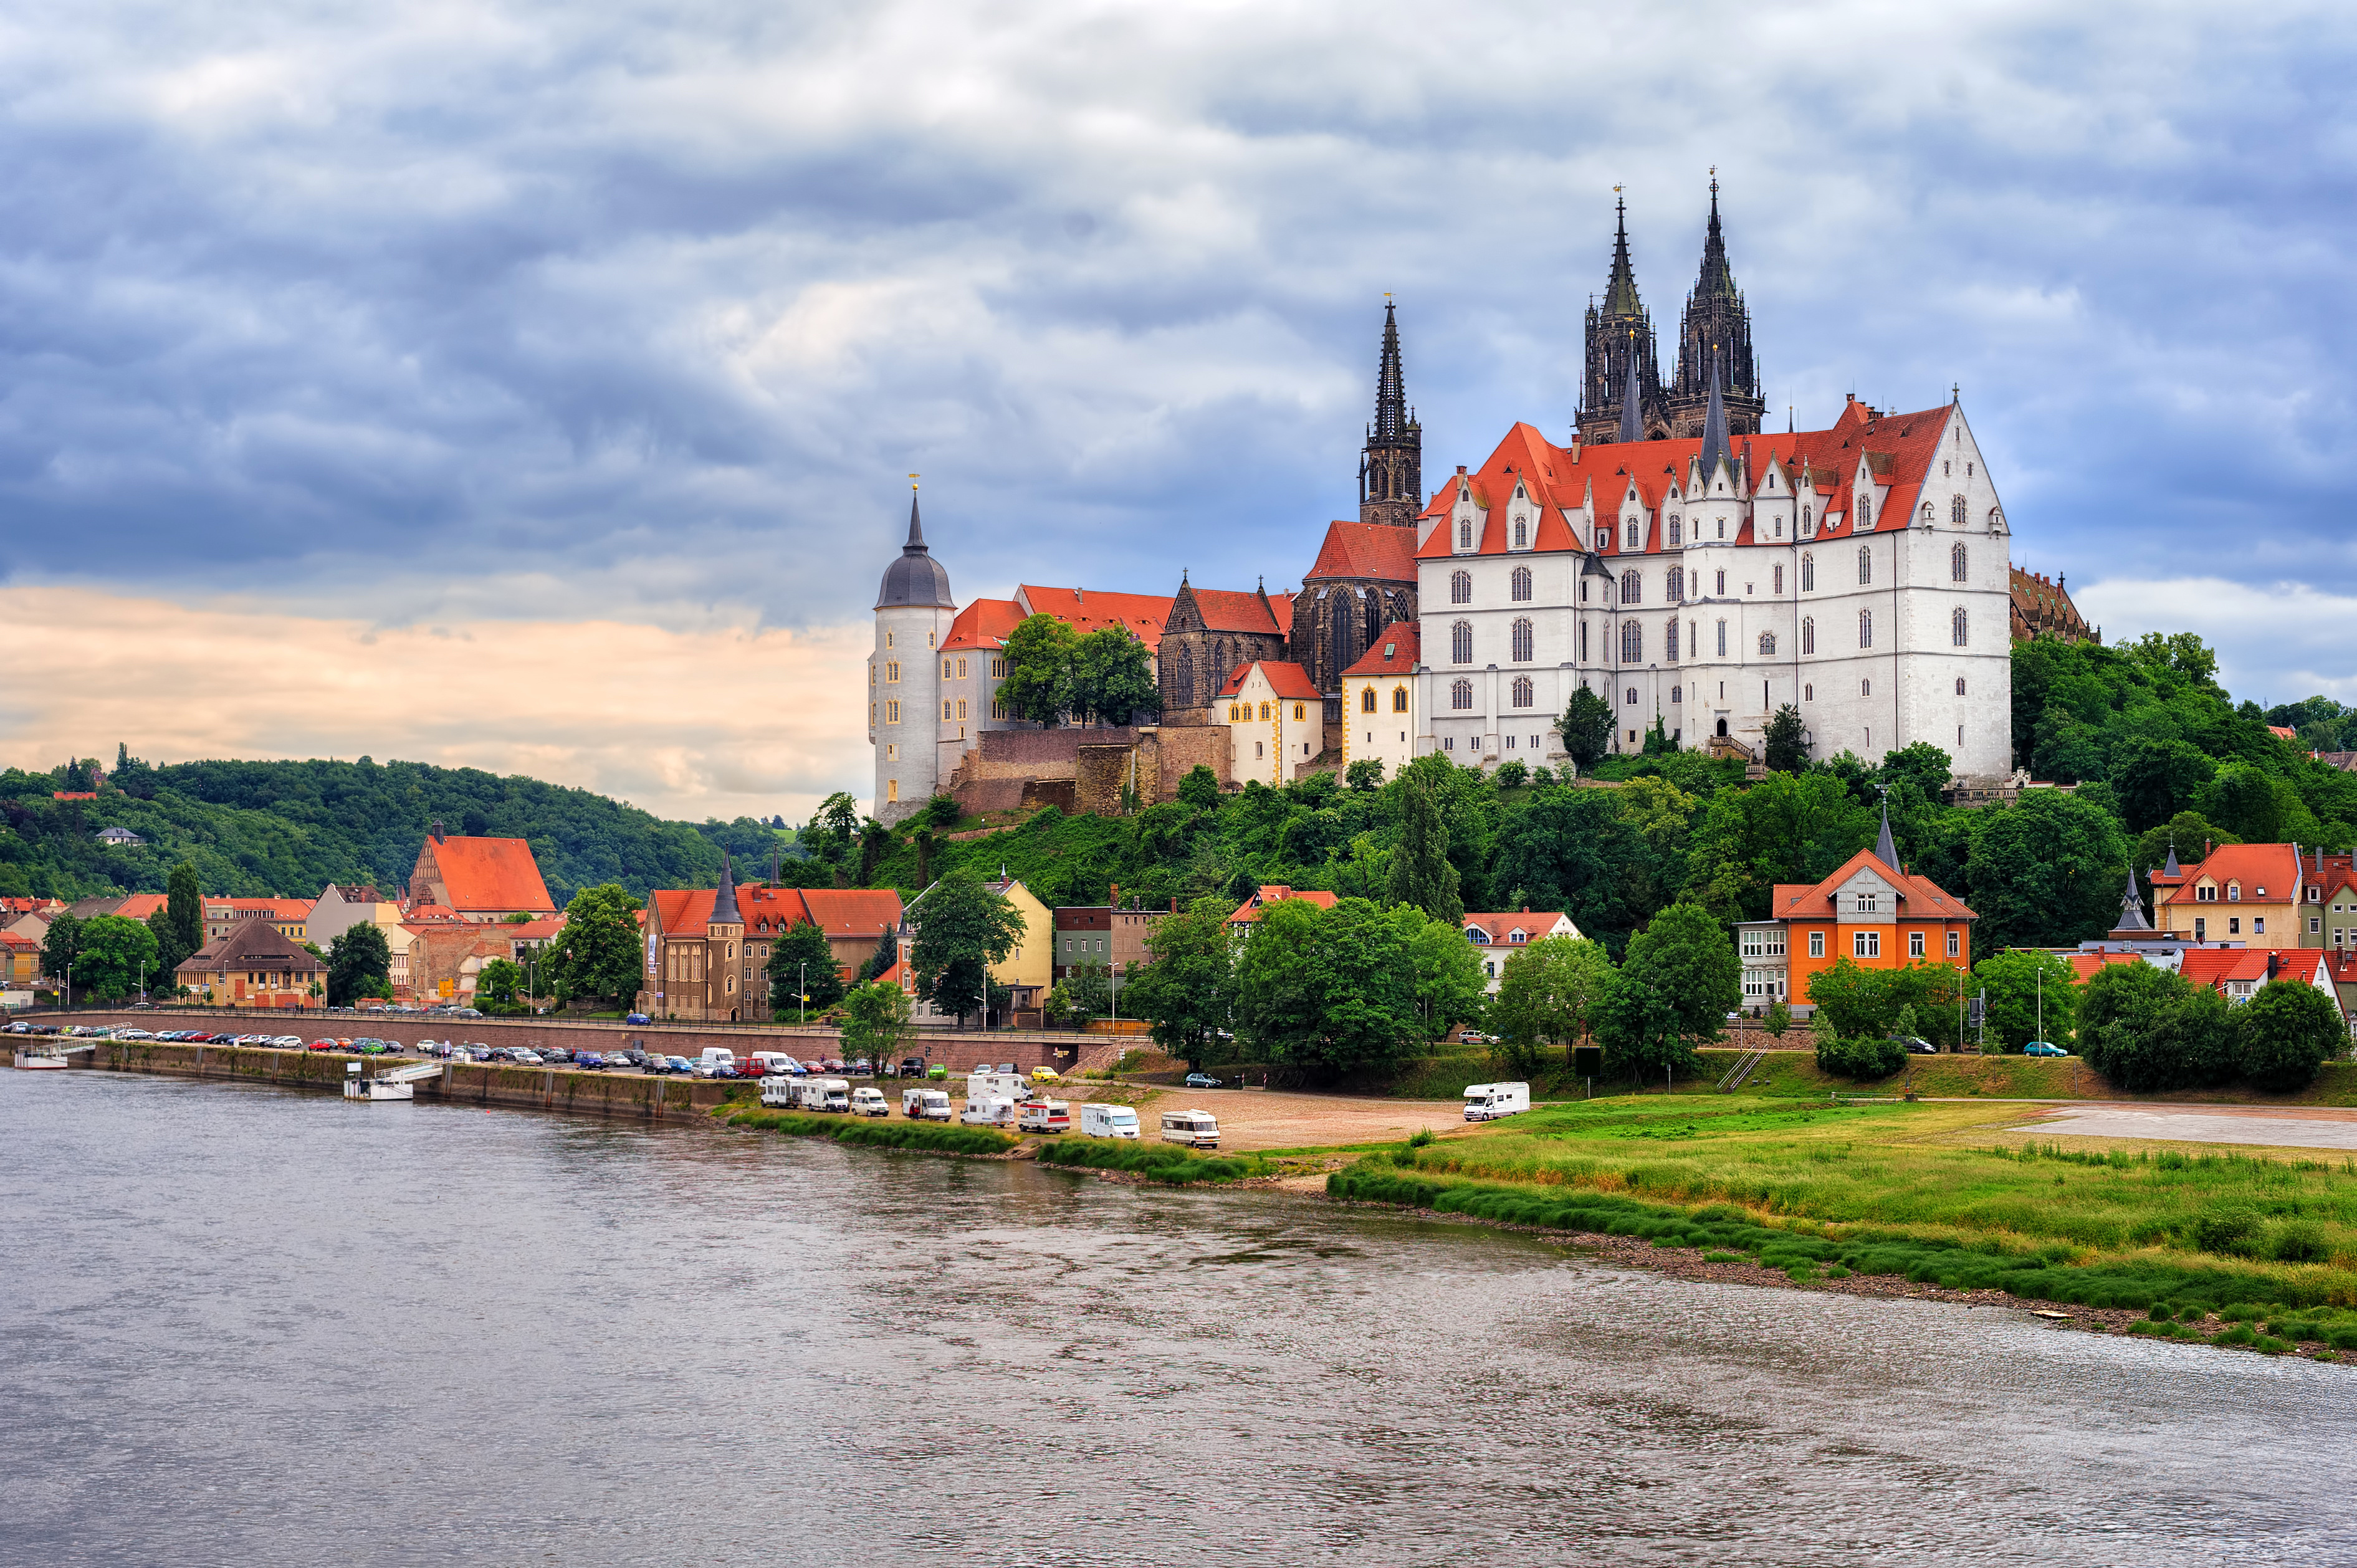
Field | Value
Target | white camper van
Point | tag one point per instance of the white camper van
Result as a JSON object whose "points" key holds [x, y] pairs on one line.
{"points": [[778, 1093], [925, 1105], [984, 1084], [1108, 1122], [1195, 1129], [712, 1057], [823, 1093], [1487, 1101], [989, 1111]]}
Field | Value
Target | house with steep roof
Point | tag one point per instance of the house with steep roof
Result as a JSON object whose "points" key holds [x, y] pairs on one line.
{"points": [[1276, 721], [1362, 581], [2260, 894], [1270, 892], [1208, 635], [289, 917], [696, 969], [1380, 723], [254, 963], [477, 879], [1497, 938], [1873, 911]]}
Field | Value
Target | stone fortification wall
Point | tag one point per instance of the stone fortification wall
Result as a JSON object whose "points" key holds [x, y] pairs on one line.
{"points": [[1084, 770]]}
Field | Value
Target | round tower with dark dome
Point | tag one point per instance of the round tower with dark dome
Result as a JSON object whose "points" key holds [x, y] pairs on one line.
{"points": [[913, 612]]}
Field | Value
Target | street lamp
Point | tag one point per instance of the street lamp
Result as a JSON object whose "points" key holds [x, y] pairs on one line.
{"points": [[802, 1014]]}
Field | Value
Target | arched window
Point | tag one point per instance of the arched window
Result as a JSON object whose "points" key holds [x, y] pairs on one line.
{"points": [[1460, 587], [1807, 517], [1865, 688], [1808, 634], [1264, 714], [1521, 532], [1631, 699], [1956, 626], [1678, 588], [1367, 701], [1629, 537], [1722, 640], [1461, 643], [1808, 574], [1956, 510], [1522, 584], [1399, 699], [1461, 695], [1632, 643], [1956, 564], [1960, 685], [1767, 645], [1866, 628], [1866, 511], [1633, 587], [1523, 641], [1465, 533], [1677, 695], [1930, 513], [1864, 565], [1677, 530], [1522, 689], [1669, 640]]}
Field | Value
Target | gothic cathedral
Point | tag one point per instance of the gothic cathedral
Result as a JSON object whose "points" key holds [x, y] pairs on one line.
{"points": [[1622, 397]]}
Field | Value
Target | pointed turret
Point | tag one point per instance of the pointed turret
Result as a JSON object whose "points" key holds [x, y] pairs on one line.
{"points": [[2132, 918], [1632, 400], [2171, 868], [724, 902], [1885, 849], [1391, 465], [1620, 352], [1715, 335], [915, 578], [1714, 434], [1620, 290]]}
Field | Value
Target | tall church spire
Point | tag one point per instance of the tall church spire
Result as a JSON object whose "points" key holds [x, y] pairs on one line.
{"points": [[1391, 465], [1620, 342], [1714, 429], [1632, 402], [1715, 334], [1620, 290]]}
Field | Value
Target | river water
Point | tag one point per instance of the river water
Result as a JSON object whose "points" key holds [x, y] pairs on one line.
{"points": [[248, 1325]]}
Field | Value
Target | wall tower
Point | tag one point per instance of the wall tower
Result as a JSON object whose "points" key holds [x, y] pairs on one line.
{"points": [[913, 611]]}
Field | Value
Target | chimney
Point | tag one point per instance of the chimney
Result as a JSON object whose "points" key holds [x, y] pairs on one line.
{"points": [[437, 830], [2273, 960]]}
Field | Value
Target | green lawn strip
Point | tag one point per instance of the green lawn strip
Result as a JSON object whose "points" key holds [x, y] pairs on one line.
{"points": [[923, 1135], [2042, 1273], [1166, 1162]]}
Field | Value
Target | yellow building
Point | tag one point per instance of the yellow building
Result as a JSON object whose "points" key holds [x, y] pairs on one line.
{"points": [[1027, 971], [1276, 720], [1379, 721]]}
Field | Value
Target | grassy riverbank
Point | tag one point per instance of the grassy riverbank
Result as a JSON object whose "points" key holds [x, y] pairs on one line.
{"points": [[1165, 1162], [1945, 1185], [926, 1136]]}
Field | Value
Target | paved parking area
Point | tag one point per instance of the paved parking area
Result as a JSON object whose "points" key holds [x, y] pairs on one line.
{"points": [[2310, 1127]]}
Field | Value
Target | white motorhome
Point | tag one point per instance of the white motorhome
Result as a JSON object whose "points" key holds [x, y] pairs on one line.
{"points": [[1487, 1101], [1045, 1116], [1195, 1129], [984, 1084], [778, 1093], [1108, 1120], [823, 1093], [925, 1105], [869, 1102], [990, 1110]]}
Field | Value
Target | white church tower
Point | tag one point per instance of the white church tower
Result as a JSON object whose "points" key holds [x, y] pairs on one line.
{"points": [[913, 611]]}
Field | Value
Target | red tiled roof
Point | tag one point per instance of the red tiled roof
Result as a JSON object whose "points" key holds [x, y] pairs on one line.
{"points": [[139, 906], [16, 943], [1537, 923], [984, 623], [1093, 609], [1290, 682], [1920, 898], [683, 911], [1366, 550], [1276, 893], [2283, 733], [2085, 964], [2253, 865], [1393, 653], [2213, 967], [843, 912], [1223, 609], [852, 912], [533, 930], [490, 873]]}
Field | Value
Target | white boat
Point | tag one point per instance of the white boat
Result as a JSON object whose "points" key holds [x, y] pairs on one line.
{"points": [[394, 1083], [40, 1058]]}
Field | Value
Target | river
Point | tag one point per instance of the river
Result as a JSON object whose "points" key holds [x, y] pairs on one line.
{"points": [[249, 1326]]}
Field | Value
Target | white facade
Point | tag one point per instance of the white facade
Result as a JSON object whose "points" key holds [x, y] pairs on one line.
{"points": [[1711, 601], [1276, 721]]}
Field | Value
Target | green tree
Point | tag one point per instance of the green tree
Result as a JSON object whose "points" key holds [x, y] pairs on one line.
{"points": [[359, 956], [1850, 1001], [2285, 1033], [1548, 993], [59, 948], [1512, 774], [1199, 788], [1670, 994], [1364, 774], [1186, 988], [2259, 807], [1637, 1027], [962, 927], [1586, 728], [1113, 679], [184, 908], [114, 955], [1328, 991], [1422, 873], [600, 956], [887, 953], [1451, 988], [1039, 684], [1779, 1020], [169, 953], [1088, 990], [2046, 872], [2155, 779], [943, 812], [1787, 741], [2019, 982], [875, 1021], [801, 963], [2147, 1028], [497, 984]]}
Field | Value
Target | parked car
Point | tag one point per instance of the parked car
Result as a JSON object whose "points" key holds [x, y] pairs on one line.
{"points": [[637, 1018], [868, 1100], [1916, 1046], [858, 1067], [556, 1054], [2043, 1048], [523, 1057], [912, 1066], [680, 1064], [588, 1061], [1204, 1080], [326, 1045]]}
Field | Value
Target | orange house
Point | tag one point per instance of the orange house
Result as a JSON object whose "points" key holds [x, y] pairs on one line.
{"points": [[1872, 911]]}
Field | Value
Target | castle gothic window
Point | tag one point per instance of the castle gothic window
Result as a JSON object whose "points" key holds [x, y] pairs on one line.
{"points": [[1677, 695], [1367, 701], [1633, 587], [1956, 627], [1630, 700], [1956, 510], [1866, 628], [1669, 640], [1808, 634], [1676, 591], [1460, 695], [1632, 643], [1767, 645], [1465, 533], [1461, 643], [1866, 511], [1677, 530], [1522, 691], [1960, 685], [1864, 565], [1522, 533], [1399, 699], [1956, 561], [1722, 640], [1780, 577], [1460, 587], [1808, 574], [1522, 584], [1521, 642], [1807, 517]]}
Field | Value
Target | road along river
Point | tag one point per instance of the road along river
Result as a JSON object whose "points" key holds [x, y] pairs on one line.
{"points": [[255, 1325]]}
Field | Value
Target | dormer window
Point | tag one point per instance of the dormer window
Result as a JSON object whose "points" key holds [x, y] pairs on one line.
{"points": [[1866, 903], [1629, 534], [2233, 893], [1677, 533], [1464, 534]]}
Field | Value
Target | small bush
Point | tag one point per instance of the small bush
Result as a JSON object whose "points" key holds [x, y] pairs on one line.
{"points": [[2267, 1344], [2230, 1231], [1860, 1060], [2162, 1312], [1836, 1272], [2239, 1334], [1422, 1139], [2342, 1339], [879, 1134], [2300, 1242], [2192, 1314], [1722, 1257]]}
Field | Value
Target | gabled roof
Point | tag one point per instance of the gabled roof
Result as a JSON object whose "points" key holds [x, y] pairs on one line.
{"points": [[490, 874], [254, 944], [1277, 892], [1393, 653], [985, 623], [1290, 682], [1920, 898], [1370, 551], [1093, 609], [2085, 964], [1224, 609], [1499, 929], [2254, 865], [683, 911], [139, 906], [852, 912]]}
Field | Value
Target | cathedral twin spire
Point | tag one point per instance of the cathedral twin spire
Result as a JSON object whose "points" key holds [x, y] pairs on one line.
{"points": [[1390, 466], [1623, 397]]}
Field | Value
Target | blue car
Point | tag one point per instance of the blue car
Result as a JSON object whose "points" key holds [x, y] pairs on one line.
{"points": [[591, 1060], [637, 1018], [2043, 1048]]}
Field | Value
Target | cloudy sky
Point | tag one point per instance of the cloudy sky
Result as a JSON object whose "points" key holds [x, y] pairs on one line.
{"points": [[533, 385]]}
